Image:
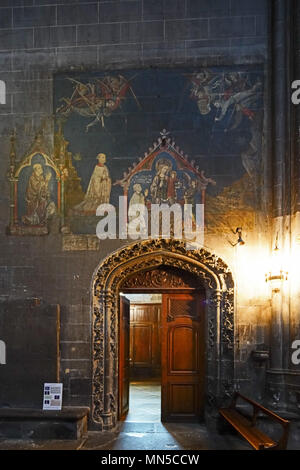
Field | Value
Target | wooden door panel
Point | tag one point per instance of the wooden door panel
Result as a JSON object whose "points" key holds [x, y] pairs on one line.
{"points": [[142, 345], [182, 308], [183, 398], [182, 356], [124, 370], [145, 340], [183, 351]]}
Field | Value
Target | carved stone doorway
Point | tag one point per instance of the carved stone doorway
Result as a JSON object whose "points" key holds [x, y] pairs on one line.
{"points": [[170, 338], [215, 277]]}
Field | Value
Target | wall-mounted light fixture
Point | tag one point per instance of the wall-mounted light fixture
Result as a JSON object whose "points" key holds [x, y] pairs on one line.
{"points": [[276, 273], [239, 241]]}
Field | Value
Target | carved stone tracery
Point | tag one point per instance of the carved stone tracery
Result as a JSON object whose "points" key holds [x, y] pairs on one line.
{"points": [[161, 279], [120, 269]]}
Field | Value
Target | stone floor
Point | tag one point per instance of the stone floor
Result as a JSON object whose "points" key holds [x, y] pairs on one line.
{"points": [[145, 402], [143, 430]]}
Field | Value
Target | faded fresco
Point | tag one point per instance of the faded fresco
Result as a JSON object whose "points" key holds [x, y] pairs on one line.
{"points": [[156, 136], [35, 190], [214, 116], [37, 205], [97, 99]]}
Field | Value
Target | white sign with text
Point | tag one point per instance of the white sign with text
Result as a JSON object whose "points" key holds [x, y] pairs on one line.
{"points": [[52, 396]]}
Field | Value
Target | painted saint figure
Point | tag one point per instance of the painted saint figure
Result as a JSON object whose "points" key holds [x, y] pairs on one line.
{"points": [[159, 185], [172, 182], [99, 188], [138, 196], [39, 206], [191, 192]]}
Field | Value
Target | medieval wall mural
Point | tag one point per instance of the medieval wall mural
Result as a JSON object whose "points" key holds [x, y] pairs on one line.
{"points": [[35, 191], [155, 136], [160, 136]]}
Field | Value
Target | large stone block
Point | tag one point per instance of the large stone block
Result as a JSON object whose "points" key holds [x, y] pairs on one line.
{"points": [[59, 2], [142, 32], [207, 8], [17, 3], [244, 7], [75, 350], [14, 81], [170, 51], [75, 314], [186, 29], [6, 108], [77, 14], [262, 25], [16, 39], [167, 9], [120, 53], [69, 423], [98, 34], [256, 44], [5, 17], [232, 27], [34, 61], [79, 56], [34, 16], [76, 332], [55, 36], [120, 11], [36, 102], [210, 49], [76, 367], [80, 386], [5, 61]]}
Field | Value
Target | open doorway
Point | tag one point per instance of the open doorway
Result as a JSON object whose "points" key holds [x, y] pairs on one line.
{"points": [[165, 266], [144, 358], [162, 344]]}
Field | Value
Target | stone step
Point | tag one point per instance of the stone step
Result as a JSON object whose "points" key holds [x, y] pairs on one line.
{"points": [[28, 423]]}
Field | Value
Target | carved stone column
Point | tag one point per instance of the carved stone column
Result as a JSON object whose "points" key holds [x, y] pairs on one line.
{"points": [[214, 353], [282, 63], [98, 353], [109, 362]]}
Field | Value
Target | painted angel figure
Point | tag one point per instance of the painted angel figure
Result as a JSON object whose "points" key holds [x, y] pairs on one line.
{"points": [[97, 100]]}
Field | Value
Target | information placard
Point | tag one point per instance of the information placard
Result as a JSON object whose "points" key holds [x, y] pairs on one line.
{"points": [[52, 396]]}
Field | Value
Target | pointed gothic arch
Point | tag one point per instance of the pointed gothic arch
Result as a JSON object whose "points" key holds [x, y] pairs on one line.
{"points": [[214, 275]]}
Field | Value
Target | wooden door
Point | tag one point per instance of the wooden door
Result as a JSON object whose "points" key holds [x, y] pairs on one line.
{"points": [[124, 357], [182, 357], [144, 340]]}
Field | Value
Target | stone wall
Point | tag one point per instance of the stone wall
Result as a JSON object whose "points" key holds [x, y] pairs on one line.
{"points": [[39, 38]]}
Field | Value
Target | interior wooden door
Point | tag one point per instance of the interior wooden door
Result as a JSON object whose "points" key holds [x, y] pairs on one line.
{"points": [[124, 371], [145, 340], [182, 357]]}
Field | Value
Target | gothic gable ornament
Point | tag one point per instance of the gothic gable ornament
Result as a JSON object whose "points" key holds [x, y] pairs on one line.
{"points": [[164, 176]]}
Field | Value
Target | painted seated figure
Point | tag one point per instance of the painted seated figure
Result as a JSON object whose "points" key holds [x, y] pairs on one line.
{"points": [[39, 206]]}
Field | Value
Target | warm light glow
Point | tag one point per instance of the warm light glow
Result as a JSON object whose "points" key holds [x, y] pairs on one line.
{"points": [[294, 267], [250, 266], [278, 268]]}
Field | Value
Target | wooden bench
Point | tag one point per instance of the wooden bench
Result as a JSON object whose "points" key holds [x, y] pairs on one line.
{"points": [[246, 426]]}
